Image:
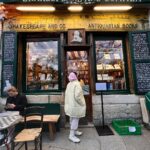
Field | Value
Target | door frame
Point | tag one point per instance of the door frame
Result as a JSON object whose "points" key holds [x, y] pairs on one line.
{"points": [[88, 98]]}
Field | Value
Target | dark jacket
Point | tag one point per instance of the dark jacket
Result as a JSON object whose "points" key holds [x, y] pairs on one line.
{"points": [[20, 101]]}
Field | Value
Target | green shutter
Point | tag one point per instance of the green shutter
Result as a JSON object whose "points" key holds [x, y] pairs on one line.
{"points": [[140, 53], [9, 59]]}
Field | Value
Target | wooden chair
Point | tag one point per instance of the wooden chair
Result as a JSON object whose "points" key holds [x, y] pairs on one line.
{"points": [[33, 122]]}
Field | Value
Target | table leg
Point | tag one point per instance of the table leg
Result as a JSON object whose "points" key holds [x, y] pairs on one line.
{"points": [[52, 130]]}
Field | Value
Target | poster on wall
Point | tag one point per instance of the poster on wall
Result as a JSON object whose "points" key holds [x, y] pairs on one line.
{"points": [[9, 61]]}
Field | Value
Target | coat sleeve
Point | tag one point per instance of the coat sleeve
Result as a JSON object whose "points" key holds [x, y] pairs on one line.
{"points": [[78, 93], [22, 103], [7, 101]]}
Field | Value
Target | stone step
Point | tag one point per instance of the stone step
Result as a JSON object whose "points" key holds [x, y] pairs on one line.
{"points": [[89, 125], [145, 114]]}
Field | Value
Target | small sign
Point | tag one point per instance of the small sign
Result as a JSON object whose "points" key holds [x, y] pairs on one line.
{"points": [[101, 87], [76, 37], [132, 129]]}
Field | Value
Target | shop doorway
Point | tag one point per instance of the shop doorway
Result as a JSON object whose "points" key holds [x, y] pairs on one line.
{"points": [[78, 61]]}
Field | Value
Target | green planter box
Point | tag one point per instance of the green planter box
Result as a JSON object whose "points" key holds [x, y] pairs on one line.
{"points": [[126, 127], [147, 100]]}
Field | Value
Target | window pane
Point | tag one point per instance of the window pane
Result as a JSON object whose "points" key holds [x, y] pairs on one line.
{"points": [[110, 64], [42, 65]]}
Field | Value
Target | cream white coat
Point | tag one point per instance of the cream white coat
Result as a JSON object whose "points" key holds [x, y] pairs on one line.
{"points": [[74, 100]]}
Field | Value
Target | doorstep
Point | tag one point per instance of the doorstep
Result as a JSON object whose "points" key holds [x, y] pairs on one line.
{"points": [[89, 125]]}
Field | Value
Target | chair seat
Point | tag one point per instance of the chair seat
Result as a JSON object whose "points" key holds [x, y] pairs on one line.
{"points": [[28, 135]]}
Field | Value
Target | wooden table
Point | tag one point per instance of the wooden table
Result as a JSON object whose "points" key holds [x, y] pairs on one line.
{"points": [[51, 120]]}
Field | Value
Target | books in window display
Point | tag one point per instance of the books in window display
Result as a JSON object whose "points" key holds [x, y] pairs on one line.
{"points": [[104, 77], [111, 56], [99, 67], [37, 85], [43, 82], [108, 67]]}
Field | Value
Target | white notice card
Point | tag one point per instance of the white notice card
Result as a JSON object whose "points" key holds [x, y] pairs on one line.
{"points": [[132, 129]]}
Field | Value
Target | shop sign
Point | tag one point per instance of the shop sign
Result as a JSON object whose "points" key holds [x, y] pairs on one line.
{"points": [[77, 1], [104, 22]]}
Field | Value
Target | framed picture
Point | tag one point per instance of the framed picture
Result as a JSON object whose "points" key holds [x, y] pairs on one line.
{"points": [[76, 37]]}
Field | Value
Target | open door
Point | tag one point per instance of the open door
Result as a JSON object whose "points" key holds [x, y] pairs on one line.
{"points": [[78, 61]]}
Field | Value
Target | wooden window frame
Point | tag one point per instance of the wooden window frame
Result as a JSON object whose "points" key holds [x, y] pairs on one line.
{"points": [[112, 37], [54, 91]]}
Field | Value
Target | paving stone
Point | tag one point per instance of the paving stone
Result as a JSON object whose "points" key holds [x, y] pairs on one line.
{"points": [[138, 142], [90, 140], [112, 143]]}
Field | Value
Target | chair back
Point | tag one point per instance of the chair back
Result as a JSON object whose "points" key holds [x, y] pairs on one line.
{"points": [[34, 117]]}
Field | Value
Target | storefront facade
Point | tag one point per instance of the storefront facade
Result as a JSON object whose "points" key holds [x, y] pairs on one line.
{"points": [[40, 49]]}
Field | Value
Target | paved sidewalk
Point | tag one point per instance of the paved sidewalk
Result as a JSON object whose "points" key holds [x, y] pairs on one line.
{"points": [[90, 140]]}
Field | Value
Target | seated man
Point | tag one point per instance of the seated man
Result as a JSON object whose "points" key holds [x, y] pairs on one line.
{"points": [[15, 101]]}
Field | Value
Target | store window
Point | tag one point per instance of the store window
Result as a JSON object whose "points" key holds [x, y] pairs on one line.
{"points": [[110, 69], [42, 65]]}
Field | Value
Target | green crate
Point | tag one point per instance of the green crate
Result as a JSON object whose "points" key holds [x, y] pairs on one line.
{"points": [[126, 127]]}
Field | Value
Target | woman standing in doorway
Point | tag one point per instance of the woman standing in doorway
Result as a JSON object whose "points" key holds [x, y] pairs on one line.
{"points": [[75, 106]]}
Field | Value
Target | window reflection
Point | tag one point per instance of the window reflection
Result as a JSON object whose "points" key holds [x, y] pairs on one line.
{"points": [[42, 65]]}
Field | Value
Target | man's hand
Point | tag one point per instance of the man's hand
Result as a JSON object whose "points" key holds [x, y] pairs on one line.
{"points": [[11, 106]]}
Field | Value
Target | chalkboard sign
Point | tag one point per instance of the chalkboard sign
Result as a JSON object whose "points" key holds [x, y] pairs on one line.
{"points": [[9, 60], [9, 47], [143, 76], [140, 46], [140, 50]]}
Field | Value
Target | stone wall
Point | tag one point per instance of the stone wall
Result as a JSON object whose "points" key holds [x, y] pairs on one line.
{"points": [[45, 99], [116, 107]]}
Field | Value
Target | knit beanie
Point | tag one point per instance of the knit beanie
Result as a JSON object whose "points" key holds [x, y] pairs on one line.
{"points": [[72, 76]]}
